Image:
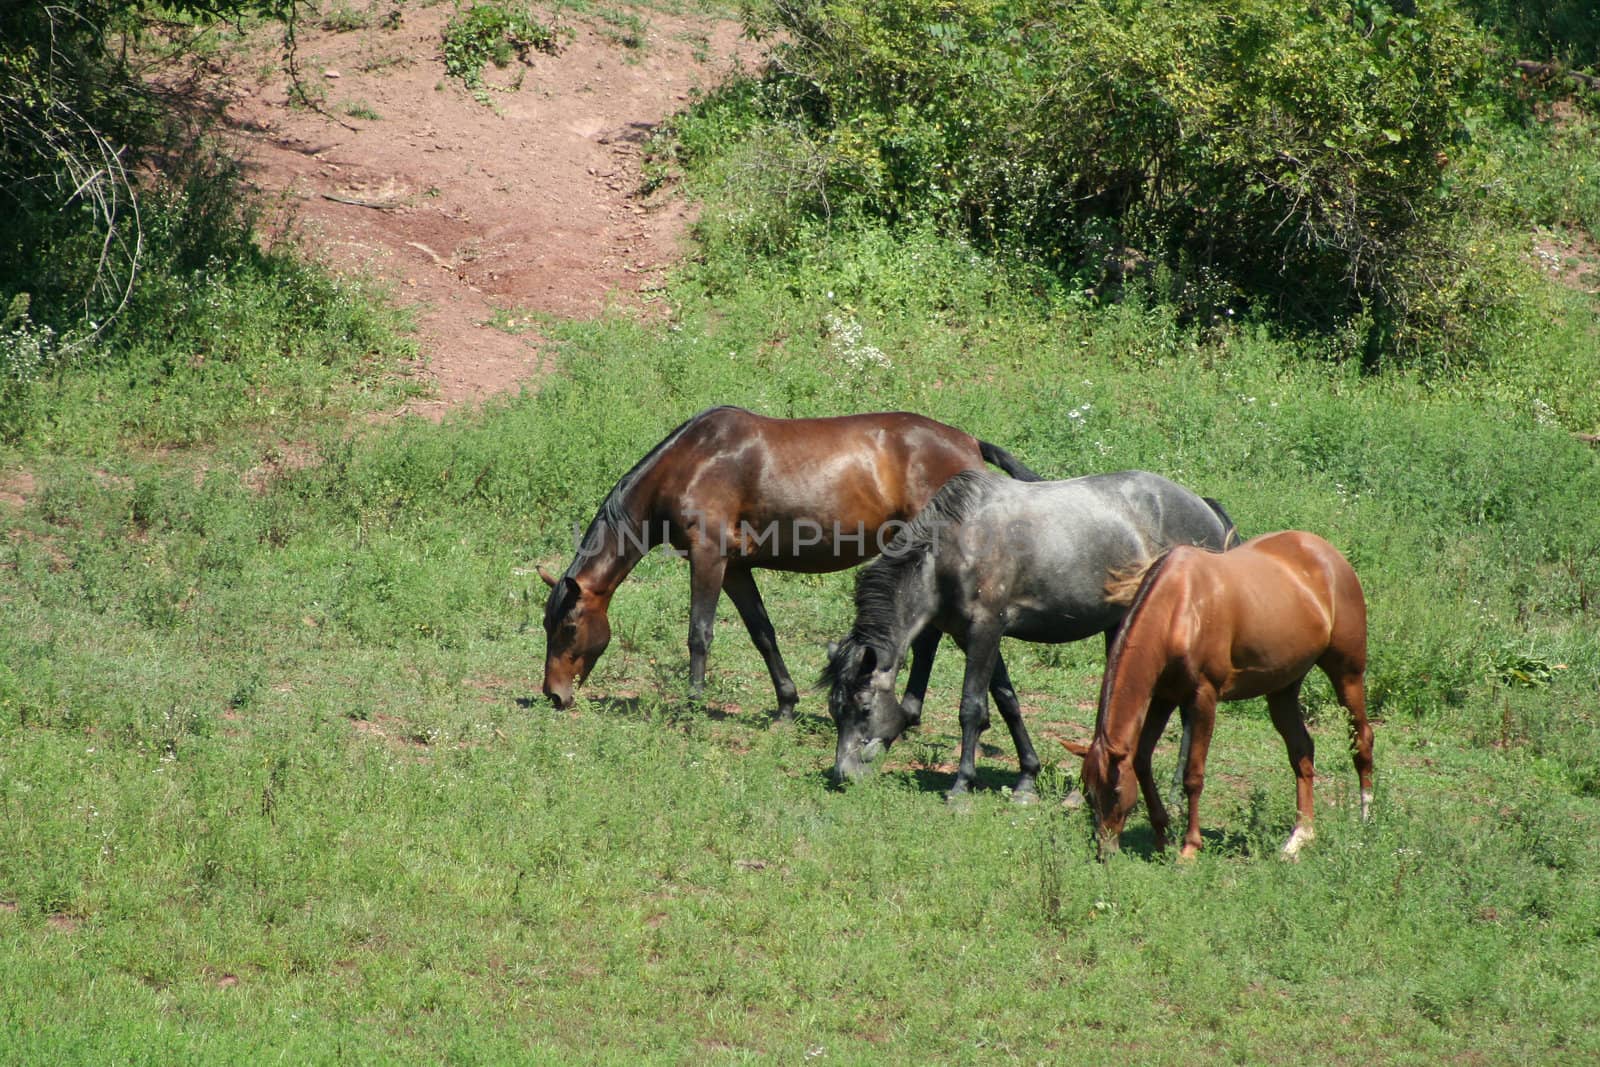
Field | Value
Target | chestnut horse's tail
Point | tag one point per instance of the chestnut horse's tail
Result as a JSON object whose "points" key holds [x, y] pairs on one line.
{"points": [[1007, 462]]}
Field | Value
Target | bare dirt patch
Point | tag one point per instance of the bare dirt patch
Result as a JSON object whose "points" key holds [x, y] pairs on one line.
{"points": [[16, 487], [476, 213]]}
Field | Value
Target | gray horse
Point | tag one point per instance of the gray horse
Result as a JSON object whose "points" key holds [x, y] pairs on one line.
{"points": [[989, 557]]}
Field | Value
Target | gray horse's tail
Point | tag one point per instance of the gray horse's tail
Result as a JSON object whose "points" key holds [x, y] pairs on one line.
{"points": [[1231, 535], [1007, 462]]}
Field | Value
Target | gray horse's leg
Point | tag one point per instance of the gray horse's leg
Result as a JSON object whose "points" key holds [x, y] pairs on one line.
{"points": [[740, 585], [1005, 698], [982, 649], [923, 648]]}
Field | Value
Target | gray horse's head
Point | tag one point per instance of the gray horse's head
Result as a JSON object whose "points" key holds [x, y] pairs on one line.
{"points": [[861, 681]]}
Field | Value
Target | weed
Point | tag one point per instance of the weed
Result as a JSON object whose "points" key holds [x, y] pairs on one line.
{"points": [[495, 33]]}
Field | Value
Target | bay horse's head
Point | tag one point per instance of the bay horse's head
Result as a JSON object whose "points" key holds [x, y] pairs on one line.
{"points": [[576, 632], [861, 680], [1110, 786]]}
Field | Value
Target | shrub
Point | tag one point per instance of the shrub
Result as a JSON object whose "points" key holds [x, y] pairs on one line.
{"points": [[1281, 156]]}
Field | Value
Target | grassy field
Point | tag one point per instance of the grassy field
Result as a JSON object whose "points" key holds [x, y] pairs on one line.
{"points": [[276, 781]]}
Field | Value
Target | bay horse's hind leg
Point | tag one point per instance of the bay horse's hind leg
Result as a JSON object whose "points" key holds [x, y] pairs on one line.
{"points": [[1005, 698], [740, 585], [706, 567], [923, 648], [1285, 708]]}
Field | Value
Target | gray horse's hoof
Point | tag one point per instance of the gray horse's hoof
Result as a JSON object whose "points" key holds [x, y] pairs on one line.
{"points": [[1024, 796]]}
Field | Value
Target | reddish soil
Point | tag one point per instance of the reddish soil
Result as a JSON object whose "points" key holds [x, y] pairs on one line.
{"points": [[525, 205]]}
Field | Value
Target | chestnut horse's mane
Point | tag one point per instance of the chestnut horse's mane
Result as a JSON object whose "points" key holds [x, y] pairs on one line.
{"points": [[1130, 585]]}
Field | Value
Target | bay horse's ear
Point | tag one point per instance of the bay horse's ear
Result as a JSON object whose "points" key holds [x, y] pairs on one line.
{"points": [[549, 579], [1077, 748]]}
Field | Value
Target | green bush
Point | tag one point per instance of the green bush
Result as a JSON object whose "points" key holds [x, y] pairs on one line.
{"points": [[1268, 154], [139, 299]]}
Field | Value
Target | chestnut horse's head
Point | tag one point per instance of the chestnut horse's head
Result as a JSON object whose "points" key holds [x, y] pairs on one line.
{"points": [[576, 632], [1110, 786], [861, 700]]}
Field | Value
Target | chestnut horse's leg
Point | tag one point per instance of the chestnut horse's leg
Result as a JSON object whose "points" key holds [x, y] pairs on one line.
{"points": [[706, 567], [983, 649], [1005, 698], [923, 647], [740, 585], [1202, 711], [1285, 708], [1155, 722], [1350, 687]]}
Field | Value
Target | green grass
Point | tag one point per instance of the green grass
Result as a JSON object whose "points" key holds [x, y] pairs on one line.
{"points": [[277, 780]]}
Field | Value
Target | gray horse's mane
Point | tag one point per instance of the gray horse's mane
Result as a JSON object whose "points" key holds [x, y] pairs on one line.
{"points": [[878, 584], [613, 511]]}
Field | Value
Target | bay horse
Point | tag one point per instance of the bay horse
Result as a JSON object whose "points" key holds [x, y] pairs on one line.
{"points": [[989, 558], [733, 491], [1204, 627]]}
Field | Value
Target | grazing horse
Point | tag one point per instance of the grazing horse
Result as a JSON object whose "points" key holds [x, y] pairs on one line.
{"points": [[989, 558], [1204, 627], [733, 491]]}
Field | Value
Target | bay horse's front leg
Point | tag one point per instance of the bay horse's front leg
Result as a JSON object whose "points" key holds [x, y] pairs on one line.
{"points": [[923, 647], [982, 649], [706, 567], [740, 585], [1202, 711], [1005, 698]]}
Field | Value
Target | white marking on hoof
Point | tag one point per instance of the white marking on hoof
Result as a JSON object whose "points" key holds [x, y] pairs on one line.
{"points": [[1302, 836], [1366, 804]]}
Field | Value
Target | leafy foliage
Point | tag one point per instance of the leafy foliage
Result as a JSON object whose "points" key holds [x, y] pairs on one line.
{"points": [[492, 33], [1280, 156], [108, 272]]}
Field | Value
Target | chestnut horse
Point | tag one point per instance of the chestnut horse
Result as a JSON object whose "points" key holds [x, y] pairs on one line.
{"points": [[733, 491], [1205, 627]]}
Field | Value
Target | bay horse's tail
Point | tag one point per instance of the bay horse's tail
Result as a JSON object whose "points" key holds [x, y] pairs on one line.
{"points": [[1231, 538], [1007, 462]]}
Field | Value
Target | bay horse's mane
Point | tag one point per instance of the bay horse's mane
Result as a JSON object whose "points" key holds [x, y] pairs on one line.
{"points": [[878, 584], [613, 510]]}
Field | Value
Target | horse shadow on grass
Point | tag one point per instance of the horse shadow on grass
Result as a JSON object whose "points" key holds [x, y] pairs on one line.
{"points": [[679, 713]]}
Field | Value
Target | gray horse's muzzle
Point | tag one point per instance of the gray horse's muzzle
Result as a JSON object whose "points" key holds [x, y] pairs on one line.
{"points": [[854, 760]]}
